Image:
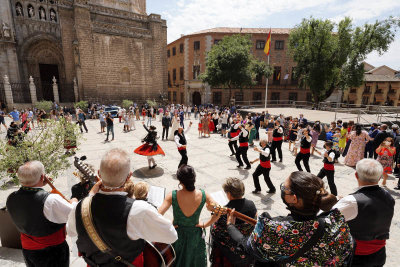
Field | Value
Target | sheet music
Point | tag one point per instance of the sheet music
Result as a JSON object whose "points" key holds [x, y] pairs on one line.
{"points": [[220, 197], [156, 195]]}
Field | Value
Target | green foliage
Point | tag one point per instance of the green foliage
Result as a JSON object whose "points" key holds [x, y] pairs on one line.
{"points": [[151, 103], [330, 55], [126, 103], [230, 64], [82, 105], [43, 144], [45, 105]]}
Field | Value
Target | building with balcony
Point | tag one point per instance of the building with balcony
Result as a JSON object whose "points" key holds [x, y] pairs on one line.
{"points": [[381, 87], [187, 60]]}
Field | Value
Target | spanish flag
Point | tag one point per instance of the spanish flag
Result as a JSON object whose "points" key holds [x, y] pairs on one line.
{"points": [[268, 44]]}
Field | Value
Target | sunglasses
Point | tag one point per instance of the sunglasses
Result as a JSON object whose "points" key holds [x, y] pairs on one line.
{"points": [[284, 189]]}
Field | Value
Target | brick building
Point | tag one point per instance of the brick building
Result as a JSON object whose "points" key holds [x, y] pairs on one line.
{"points": [[110, 50], [381, 87], [186, 60]]}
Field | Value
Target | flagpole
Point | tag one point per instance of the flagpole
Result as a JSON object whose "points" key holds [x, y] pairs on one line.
{"points": [[266, 86]]}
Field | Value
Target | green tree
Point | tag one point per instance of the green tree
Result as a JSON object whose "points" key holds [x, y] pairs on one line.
{"points": [[230, 64], [330, 56], [126, 103], [43, 144]]}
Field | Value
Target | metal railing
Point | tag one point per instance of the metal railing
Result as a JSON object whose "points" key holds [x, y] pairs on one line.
{"points": [[21, 92]]}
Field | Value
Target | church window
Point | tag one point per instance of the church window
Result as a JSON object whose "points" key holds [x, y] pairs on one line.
{"points": [[125, 75], [31, 11], [19, 10]]}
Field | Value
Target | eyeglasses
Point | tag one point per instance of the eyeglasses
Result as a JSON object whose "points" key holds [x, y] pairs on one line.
{"points": [[284, 189]]}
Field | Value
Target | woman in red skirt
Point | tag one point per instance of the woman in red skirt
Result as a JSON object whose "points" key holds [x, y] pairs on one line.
{"points": [[150, 147]]}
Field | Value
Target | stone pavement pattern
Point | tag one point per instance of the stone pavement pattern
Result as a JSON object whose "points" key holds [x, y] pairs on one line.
{"points": [[210, 158]]}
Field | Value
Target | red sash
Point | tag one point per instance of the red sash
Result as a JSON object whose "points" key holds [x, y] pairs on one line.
{"points": [[265, 164], [329, 167], [35, 242], [181, 148], [369, 247], [244, 144], [277, 138], [304, 150], [234, 134]]}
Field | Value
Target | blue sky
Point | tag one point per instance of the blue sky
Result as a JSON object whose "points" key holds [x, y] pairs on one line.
{"points": [[187, 16]]}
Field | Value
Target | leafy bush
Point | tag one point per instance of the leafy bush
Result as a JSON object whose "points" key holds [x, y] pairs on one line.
{"points": [[82, 105], [126, 103], [45, 105], [151, 103]]}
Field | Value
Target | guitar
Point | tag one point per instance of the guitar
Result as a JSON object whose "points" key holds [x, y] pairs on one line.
{"points": [[224, 210], [155, 254]]}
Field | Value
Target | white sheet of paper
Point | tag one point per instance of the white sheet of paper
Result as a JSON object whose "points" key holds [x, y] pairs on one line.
{"points": [[220, 197], [156, 195]]}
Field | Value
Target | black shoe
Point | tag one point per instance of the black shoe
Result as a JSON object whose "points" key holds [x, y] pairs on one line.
{"points": [[155, 165], [239, 166], [106, 140], [271, 191], [247, 168], [280, 160], [256, 191], [273, 160], [397, 187]]}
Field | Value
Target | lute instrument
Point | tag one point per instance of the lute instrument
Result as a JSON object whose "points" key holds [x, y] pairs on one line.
{"points": [[215, 208]]}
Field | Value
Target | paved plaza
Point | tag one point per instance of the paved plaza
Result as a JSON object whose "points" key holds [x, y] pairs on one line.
{"points": [[210, 158]]}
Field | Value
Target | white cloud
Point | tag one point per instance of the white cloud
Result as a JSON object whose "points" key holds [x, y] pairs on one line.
{"points": [[390, 58], [194, 15], [362, 10]]}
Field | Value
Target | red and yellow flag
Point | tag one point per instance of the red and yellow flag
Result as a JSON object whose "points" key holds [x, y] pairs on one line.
{"points": [[268, 44]]}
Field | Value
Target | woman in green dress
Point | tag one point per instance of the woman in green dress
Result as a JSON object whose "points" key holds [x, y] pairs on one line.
{"points": [[252, 133], [187, 204]]}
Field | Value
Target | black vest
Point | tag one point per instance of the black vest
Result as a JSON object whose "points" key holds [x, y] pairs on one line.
{"points": [[304, 143], [375, 213], [110, 214], [275, 132], [326, 161], [264, 158], [243, 139], [182, 138], [26, 209]]}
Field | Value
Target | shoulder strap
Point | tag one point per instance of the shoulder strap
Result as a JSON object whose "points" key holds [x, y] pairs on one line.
{"points": [[309, 244], [87, 221]]}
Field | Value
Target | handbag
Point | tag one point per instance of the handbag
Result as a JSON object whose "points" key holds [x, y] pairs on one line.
{"points": [[87, 221]]}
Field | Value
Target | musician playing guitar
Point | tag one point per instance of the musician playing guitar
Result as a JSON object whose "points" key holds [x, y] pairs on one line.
{"points": [[40, 217], [122, 223]]}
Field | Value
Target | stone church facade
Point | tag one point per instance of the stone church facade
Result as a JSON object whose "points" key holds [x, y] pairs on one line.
{"points": [[95, 50]]}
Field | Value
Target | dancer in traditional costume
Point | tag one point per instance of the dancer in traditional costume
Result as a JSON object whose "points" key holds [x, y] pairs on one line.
{"points": [[243, 138], [181, 143], [150, 148], [263, 168]]}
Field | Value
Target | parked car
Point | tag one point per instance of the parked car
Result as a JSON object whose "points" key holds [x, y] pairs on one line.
{"points": [[113, 110]]}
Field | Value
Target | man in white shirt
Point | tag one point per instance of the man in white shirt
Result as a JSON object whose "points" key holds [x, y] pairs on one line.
{"points": [[369, 212], [42, 225], [123, 223]]}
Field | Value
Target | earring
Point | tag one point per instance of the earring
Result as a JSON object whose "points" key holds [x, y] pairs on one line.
{"points": [[179, 186]]}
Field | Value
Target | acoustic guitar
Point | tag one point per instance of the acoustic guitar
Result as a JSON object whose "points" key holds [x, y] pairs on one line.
{"points": [[224, 210], [155, 254]]}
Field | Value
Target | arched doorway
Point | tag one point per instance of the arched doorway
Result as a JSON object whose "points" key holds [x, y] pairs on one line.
{"points": [[196, 98], [42, 58]]}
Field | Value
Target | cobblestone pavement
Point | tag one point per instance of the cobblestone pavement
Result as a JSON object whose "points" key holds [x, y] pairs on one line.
{"points": [[210, 158]]}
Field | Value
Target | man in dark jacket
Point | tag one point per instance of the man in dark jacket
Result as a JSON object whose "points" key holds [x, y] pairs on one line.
{"points": [[166, 122]]}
